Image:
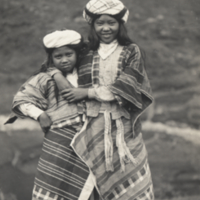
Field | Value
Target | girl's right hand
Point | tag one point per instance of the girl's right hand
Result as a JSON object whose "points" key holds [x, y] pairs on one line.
{"points": [[45, 122]]}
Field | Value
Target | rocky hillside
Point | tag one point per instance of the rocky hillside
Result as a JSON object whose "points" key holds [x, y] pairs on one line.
{"points": [[168, 31]]}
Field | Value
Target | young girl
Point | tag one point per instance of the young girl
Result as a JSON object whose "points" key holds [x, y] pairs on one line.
{"points": [[118, 93], [61, 175]]}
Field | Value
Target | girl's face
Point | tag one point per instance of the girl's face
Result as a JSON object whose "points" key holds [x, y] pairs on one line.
{"points": [[106, 28], [64, 58]]}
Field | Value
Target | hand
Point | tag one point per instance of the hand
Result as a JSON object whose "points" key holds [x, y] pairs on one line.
{"points": [[74, 94], [45, 122]]}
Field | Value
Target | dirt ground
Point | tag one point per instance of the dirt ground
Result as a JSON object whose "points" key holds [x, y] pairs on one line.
{"points": [[175, 170], [168, 32]]}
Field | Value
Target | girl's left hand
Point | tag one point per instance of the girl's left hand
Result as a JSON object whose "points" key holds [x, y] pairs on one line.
{"points": [[75, 94], [45, 122]]}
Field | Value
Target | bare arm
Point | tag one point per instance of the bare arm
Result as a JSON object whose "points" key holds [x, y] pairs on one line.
{"points": [[61, 82], [100, 93]]}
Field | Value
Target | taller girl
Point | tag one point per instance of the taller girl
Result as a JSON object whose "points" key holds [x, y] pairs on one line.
{"points": [[118, 93]]}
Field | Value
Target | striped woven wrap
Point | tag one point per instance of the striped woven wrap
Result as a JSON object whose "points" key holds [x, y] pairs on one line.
{"points": [[135, 181], [132, 82], [113, 147], [40, 90], [60, 172]]}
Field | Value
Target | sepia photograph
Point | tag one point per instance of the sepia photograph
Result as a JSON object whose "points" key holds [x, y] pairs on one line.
{"points": [[100, 100]]}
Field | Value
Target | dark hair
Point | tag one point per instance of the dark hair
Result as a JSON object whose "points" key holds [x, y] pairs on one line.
{"points": [[122, 36], [79, 48]]}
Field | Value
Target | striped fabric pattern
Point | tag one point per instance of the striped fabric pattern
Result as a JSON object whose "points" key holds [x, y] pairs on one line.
{"points": [[131, 184], [100, 6], [42, 194], [132, 82], [110, 7], [95, 69], [60, 172], [40, 90]]}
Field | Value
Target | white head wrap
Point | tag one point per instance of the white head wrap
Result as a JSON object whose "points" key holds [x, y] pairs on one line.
{"points": [[57, 39], [100, 7]]}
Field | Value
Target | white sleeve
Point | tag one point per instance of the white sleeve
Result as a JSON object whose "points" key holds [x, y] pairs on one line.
{"points": [[101, 94], [30, 110]]}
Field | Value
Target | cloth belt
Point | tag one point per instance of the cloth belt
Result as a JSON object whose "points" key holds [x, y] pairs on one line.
{"points": [[123, 151]]}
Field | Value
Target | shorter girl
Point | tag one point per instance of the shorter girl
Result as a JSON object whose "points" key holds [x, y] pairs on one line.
{"points": [[60, 173]]}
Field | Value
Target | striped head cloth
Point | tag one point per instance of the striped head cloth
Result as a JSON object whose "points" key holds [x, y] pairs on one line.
{"points": [[115, 8], [60, 38]]}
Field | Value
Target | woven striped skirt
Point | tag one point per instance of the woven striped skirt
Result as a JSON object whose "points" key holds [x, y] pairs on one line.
{"points": [[135, 182], [61, 175]]}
